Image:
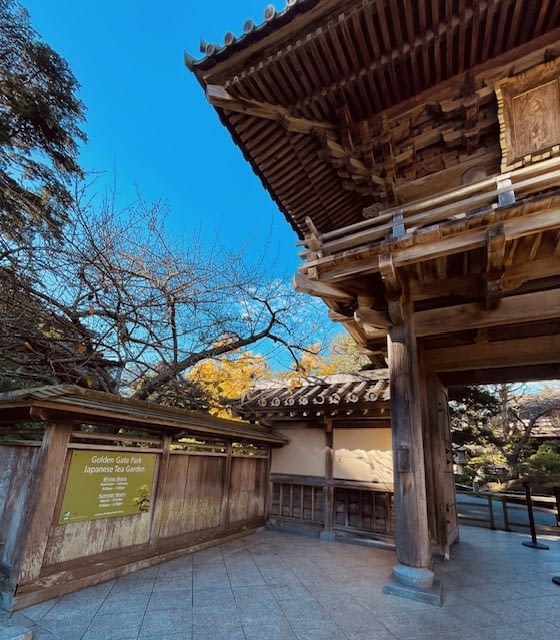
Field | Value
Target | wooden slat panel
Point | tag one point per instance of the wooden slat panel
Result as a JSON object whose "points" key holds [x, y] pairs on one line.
{"points": [[47, 483], [17, 469], [248, 485]]}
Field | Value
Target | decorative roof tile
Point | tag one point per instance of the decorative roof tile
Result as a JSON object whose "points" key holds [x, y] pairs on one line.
{"points": [[358, 394]]}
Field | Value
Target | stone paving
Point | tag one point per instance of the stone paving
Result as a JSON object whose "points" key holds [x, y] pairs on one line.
{"points": [[274, 586]]}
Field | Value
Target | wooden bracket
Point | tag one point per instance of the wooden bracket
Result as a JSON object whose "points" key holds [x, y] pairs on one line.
{"points": [[321, 289], [495, 256], [393, 287]]}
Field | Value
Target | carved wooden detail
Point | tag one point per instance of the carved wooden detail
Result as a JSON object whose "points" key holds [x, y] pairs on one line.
{"points": [[529, 115]]}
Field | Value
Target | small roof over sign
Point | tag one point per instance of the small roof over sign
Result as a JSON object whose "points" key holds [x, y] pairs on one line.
{"points": [[85, 405]]}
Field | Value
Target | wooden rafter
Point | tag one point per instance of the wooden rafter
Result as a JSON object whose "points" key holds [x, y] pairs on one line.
{"points": [[220, 97], [320, 289]]}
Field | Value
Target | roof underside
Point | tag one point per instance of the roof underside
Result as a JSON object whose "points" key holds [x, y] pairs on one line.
{"points": [[84, 405], [313, 97]]}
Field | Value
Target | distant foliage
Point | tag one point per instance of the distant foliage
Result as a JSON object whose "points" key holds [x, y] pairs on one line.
{"points": [[40, 118], [498, 422], [226, 379]]}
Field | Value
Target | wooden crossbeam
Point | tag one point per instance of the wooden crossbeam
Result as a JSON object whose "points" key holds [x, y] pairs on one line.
{"points": [[529, 307], [320, 289], [431, 245], [373, 318], [507, 353], [220, 97]]}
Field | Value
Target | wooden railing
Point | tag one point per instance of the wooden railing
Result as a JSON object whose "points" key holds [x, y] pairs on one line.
{"points": [[495, 192], [508, 511], [359, 507]]}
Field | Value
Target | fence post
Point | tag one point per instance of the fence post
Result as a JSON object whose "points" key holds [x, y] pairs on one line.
{"points": [[557, 496], [533, 544], [491, 512], [505, 513]]}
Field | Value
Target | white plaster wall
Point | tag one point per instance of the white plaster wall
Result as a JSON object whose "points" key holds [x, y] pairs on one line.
{"points": [[363, 454], [379, 438], [304, 455]]}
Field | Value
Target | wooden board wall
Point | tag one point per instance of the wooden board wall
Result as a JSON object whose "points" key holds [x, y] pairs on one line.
{"points": [[17, 468], [197, 498]]}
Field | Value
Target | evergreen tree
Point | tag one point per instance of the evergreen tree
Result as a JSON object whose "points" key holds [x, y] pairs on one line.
{"points": [[40, 118]]}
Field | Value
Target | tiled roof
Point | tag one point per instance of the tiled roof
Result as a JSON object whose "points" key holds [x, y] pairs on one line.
{"points": [[251, 32], [358, 395]]}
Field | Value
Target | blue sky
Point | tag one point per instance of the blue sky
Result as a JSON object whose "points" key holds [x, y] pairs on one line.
{"points": [[147, 117]]}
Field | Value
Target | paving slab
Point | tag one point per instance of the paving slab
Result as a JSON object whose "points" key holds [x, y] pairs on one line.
{"points": [[275, 586]]}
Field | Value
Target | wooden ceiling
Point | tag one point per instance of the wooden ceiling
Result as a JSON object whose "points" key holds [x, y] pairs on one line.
{"points": [[324, 97], [378, 128]]}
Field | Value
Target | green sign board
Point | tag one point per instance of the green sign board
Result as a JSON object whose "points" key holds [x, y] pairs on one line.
{"points": [[106, 484]]}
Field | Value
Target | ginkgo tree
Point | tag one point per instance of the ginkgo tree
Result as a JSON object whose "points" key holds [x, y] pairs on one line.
{"points": [[227, 379]]}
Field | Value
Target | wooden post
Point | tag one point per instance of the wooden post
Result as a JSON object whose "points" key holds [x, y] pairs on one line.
{"points": [[413, 577], [328, 531], [159, 514], [50, 471], [438, 461]]}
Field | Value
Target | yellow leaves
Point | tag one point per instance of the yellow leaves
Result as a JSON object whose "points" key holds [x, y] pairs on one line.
{"points": [[310, 364], [227, 379]]}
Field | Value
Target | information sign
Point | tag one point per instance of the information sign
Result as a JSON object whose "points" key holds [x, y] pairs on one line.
{"points": [[106, 484]]}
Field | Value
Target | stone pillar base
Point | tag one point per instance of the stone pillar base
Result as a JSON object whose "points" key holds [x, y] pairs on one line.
{"points": [[327, 536], [415, 584]]}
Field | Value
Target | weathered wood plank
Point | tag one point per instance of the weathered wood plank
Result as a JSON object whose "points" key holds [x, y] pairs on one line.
{"points": [[17, 473], [247, 496], [42, 504]]}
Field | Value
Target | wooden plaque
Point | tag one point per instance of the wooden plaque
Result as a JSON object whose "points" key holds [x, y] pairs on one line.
{"points": [[529, 115]]}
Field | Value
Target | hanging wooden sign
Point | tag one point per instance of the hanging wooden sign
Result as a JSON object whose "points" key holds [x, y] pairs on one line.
{"points": [[529, 115]]}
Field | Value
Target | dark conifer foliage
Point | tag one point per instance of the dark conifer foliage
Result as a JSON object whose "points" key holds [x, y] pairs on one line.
{"points": [[40, 118]]}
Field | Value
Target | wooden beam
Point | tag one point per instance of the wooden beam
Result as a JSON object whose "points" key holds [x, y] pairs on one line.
{"points": [[495, 254], [430, 245], [373, 318], [219, 97], [515, 276], [493, 355], [320, 289], [529, 307], [505, 375]]}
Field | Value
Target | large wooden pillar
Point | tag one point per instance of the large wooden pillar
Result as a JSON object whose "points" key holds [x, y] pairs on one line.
{"points": [[412, 536], [412, 577]]}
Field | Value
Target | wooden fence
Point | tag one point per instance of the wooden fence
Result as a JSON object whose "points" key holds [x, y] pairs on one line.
{"points": [[508, 511], [203, 490]]}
